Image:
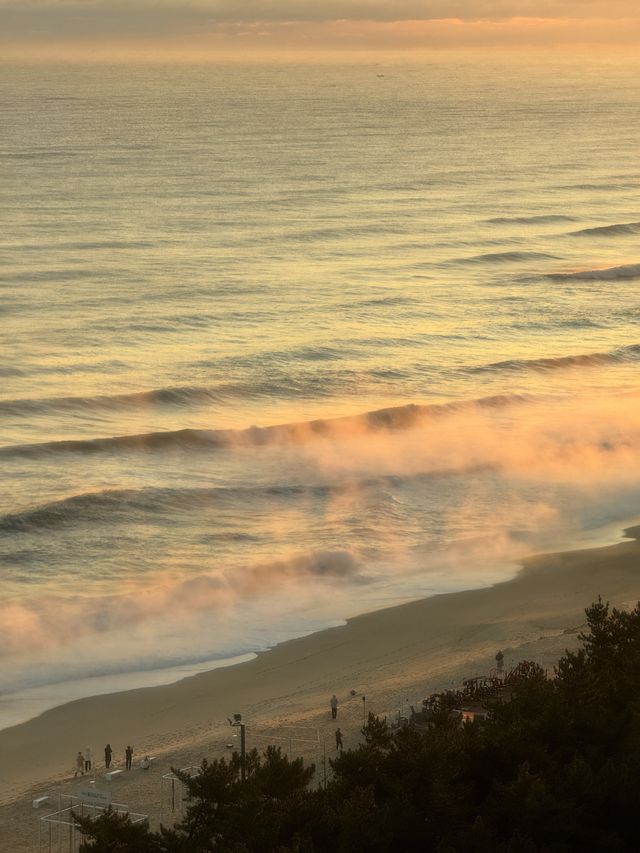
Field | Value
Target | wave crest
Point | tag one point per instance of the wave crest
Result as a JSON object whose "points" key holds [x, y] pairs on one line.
{"points": [[395, 418], [594, 359], [619, 228], [531, 220], [504, 257], [624, 271]]}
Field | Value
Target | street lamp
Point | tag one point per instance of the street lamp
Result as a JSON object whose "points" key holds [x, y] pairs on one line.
{"points": [[237, 722]]}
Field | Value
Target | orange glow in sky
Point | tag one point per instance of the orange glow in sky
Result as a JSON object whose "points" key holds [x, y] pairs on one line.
{"points": [[207, 29]]}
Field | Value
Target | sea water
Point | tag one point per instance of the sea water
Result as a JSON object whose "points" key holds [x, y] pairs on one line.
{"points": [[284, 343]]}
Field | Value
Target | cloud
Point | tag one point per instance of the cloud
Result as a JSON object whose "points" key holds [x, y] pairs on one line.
{"points": [[105, 19], [330, 10]]}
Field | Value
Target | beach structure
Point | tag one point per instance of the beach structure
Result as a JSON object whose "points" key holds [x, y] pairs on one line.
{"points": [[295, 738], [307, 741], [59, 831], [172, 791], [472, 702], [237, 722]]}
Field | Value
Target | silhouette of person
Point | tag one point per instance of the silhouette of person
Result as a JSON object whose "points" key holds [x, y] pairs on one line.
{"points": [[108, 752], [128, 756], [334, 706], [87, 759], [339, 744], [79, 763]]}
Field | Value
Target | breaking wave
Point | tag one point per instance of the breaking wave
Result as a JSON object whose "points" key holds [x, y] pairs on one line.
{"points": [[127, 504], [396, 418], [113, 503], [59, 621]]}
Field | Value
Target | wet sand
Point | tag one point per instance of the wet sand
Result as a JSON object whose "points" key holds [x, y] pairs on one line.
{"points": [[392, 657]]}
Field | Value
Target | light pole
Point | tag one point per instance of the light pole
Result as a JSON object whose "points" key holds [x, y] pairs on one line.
{"points": [[237, 721], [324, 761]]}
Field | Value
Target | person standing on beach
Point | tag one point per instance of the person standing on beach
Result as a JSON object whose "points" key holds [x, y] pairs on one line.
{"points": [[128, 756], [339, 744], [87, 759], [79, 764], [334, 706], [108, 752]]}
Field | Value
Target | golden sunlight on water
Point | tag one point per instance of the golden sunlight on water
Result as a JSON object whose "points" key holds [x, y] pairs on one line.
{"points": [[287, 343]]}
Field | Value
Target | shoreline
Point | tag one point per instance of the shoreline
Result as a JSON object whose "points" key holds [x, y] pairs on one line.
{"points": [[48, 697], [394, 657], [106, 684]]}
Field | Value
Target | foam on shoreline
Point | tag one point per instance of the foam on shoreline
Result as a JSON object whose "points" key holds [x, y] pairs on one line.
{"points": [[394, 654]]}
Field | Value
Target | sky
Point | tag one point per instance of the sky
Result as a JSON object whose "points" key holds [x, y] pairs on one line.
{"points": [[214, 27]]}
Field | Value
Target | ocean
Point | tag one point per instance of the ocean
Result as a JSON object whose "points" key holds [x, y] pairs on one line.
{"points": [[282, 344]]}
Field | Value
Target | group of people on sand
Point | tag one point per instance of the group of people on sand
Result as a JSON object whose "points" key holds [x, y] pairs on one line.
{"points": [[84, 760]]}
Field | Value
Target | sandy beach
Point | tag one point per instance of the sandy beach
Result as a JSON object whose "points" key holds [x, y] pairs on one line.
{"points": [[319, 367], [393, 657]]}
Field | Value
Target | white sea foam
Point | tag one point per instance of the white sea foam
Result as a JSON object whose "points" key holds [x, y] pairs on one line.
{"points": [[297, 345]]}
